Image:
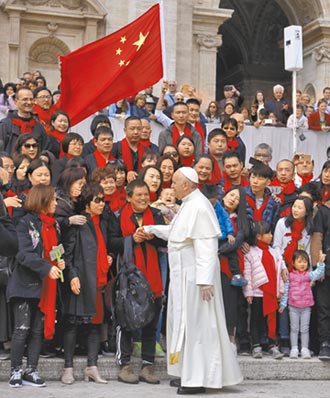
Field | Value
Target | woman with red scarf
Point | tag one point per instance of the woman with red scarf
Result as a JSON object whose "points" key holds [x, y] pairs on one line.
{"points": [[186, 150], [262, 269], [153, 177], [292, 233], [106, 177], [59, 126], [168, 166], [32, 286], [230, 127], [88, 263]]}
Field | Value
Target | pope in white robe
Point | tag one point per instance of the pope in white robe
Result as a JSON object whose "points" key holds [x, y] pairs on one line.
{"points": [[198, 346]]}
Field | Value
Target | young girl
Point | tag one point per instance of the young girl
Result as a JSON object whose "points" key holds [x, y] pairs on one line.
{"points": [[299, 296], [262, 270], [234, 144]]}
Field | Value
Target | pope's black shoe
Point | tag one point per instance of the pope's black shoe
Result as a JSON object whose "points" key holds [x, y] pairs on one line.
{"points": [[175, 383], [190, 390]]}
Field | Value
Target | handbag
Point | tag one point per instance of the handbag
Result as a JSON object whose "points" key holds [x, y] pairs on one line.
{"points": [[133, 300]]}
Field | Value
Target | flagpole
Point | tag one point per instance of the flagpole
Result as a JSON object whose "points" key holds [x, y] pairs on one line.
{"points": [[162, 33]]}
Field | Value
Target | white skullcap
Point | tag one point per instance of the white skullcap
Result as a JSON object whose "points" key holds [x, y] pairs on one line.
{"points": [[189, 173]]}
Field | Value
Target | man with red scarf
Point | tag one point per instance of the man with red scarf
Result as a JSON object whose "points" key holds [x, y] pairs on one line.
{"points": [[102, 154], [44, 107], [304, 170], [146, 134], [180, 127], [21, 121], [135, 214], [284, 180], [194, 118], [217, 145], [130, 149], [232, 175]]}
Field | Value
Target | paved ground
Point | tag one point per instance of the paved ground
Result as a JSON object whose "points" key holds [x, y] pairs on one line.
{"points": [[248, 389]]}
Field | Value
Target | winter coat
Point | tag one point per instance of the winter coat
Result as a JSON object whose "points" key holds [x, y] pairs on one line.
{"points": [[300, 291]]}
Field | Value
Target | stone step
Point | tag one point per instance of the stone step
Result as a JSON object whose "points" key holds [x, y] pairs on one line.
{"points": [[252, 369]]}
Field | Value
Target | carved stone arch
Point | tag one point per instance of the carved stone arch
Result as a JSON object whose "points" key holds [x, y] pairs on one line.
{"points": [[301, 12], [46, 50]]}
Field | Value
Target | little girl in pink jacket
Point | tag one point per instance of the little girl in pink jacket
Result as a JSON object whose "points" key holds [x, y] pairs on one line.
{"points": [[262, 270], [299, 296]]}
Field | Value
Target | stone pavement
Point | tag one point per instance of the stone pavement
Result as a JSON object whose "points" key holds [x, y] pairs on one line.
{"points": [[247, 389]]}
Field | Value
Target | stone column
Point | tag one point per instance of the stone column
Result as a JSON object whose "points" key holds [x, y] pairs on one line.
{"points": [[206, 23], [90, 30], [206, 83], [13, 44]]}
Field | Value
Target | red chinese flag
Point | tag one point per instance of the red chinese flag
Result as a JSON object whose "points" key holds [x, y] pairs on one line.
{"points": [[112, 68]]}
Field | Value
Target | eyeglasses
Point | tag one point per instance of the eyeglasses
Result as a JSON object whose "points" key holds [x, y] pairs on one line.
{"points": [[9, 167], [173, 154], [98, 200], [45, 97], [28, 146]]}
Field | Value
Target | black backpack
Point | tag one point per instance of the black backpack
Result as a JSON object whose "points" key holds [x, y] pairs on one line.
{"points": [[133, 301]]}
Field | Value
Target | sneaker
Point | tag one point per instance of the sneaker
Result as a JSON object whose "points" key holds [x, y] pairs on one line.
{"points": [[285, 347], [257, 352], [276, 353], [137, 349], [305, 354], [31, 378], [244, 350], [15, 380], [294, 353], [159, 353], [238, 280], [126, 375], [324, 354]]}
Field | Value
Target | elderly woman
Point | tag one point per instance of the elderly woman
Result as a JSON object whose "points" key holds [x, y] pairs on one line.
{"points": [[138, 109]]}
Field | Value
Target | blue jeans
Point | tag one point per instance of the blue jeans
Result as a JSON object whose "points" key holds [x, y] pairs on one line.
{"points": [[163, 263]]}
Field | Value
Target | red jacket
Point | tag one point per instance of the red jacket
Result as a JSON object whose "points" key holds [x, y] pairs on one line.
{"points": [[314, 121]]}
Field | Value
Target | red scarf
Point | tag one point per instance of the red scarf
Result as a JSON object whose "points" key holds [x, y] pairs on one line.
{"points": [[116, 200], [25, 126], [102, 265], [149, 265], [127, 154], [146, 143], [269, 289], [200, 131], [11, 194], [224, 263], [58, 137], [305, 179], [216, 173], [153, 196], [176, 133], [47, 303], [44, 114], [167, 184], [296, 234], [257, 213], [101, 161], [325, 193], [232, 144], [287, 189], [187, 161], [227, 184]]}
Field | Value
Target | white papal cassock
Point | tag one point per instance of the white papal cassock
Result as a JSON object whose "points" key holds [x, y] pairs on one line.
{"points": [[198, 347]]}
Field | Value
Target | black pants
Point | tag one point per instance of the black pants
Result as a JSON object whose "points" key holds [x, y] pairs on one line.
{"points": [[231, 256], [257, 323], [230, 301], [148, 339], [28, 329], [242, 321], [323, 309], [93, 343]]}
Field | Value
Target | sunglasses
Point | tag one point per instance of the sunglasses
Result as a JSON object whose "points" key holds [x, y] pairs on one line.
{"points": [[28, 146], [173, 154], [98, 200]]}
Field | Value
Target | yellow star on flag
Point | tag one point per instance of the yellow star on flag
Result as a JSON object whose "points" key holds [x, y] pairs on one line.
{"points": [[123, 39], [121, 62], [119, 51], [141, 41]]}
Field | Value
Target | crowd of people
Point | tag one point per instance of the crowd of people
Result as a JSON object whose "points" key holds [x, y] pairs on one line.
{"points": [[70, 204]]}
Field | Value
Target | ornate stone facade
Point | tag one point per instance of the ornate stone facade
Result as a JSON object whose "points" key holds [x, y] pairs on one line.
{"points": [[208, 42]]}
